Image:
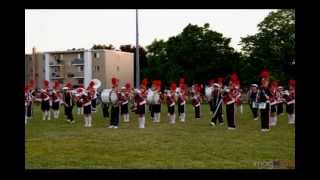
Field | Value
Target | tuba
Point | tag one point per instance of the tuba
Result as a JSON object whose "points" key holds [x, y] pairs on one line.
{"points": [[97, 83]]}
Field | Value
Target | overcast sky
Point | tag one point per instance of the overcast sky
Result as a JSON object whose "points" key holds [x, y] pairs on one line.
{"points": [[50, 30]]}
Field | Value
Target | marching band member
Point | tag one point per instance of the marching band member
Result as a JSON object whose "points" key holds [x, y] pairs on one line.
{"points": [[230, 97], [86, 100], [264, 102], [280, 101], [290, 99], [125, 102], [182, 96], [252, 99], [45, 98], [196, 100], [78, 102], [31, 94], [26, 101], [171, 103], [114, 119], [139, 101], [56, 98], [236, 93], [216, 105], [68, 102], [105, 109], [210, 99], [93, 93], [156, 107], [273, 103]]}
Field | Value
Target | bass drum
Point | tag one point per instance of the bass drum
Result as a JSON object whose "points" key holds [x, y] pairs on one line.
{"points": [[113, 97], [155, 98], [105, 95], [208, 92]]}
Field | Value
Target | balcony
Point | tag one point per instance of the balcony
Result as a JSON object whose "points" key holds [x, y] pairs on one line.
{"points": [[77, 62], [57, 77]]}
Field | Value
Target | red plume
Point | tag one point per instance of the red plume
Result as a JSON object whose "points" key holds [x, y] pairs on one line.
{"points": [[56, 85], [144, 82], [46, 83], [234, 77], [211, 81], [220, 80], [114, 82], [292, 82], [81, 86], [264, 73], [69, 85], [128, 86], [173, 86], [181, 81], [31, 83], [26, 88]]}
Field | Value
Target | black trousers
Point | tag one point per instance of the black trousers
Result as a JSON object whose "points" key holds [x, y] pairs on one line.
{"points": [[180, 109], [105, 110], [264, 113], [218, 115], [197, 112], [280, 108], [68, 112], [171, 110], [29, 110], [93, 105], [151, 110], [231, 115], [290, 108], [156, 108], [254, 111], [114, 116]]}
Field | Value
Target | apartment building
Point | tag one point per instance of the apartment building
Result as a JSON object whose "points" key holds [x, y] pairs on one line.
{"points": [[80, 66]]}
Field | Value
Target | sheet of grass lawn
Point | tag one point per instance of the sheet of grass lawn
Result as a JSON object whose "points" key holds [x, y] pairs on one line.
{"points": [[193, 144]]}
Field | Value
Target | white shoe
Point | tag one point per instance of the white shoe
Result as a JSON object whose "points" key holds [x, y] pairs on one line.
{"points": [[68, 120], [111, 126], [115, 127], [212, 124], [265, 130], [221, 124], [72, 122], [255, 119], [231, 128]]}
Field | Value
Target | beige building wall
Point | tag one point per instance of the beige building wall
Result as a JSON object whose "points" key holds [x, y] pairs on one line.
{"points": [[34, 69], [120, 65], [105, 65]]}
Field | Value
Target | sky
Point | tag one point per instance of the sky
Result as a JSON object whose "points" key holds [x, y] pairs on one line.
{"points": [[54, 30]]}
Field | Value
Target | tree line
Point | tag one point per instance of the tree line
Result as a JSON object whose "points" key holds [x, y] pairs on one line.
{"points": [[199, 54]]}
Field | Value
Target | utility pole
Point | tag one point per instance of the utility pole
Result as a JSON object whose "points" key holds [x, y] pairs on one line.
{"points": [[137, 53]]}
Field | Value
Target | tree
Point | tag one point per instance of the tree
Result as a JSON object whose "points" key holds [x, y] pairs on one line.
{"points": [[273, 46], [197, 54], [98, 46]]}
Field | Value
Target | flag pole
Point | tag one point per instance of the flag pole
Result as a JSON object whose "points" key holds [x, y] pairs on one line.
{"points": [[137, 53]]}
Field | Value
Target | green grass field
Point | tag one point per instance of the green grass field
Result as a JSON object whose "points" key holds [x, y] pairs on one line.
{"points": [[56, 144]]}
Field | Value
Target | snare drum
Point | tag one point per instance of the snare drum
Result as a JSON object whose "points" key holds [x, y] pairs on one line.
{"points": [[105, 96]]}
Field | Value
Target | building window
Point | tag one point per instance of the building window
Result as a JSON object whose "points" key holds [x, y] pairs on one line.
{"points": [[61, 56], [118, 69], [80, 81], [70, 75], [79, 56], [98, 68], [96, 55]]}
